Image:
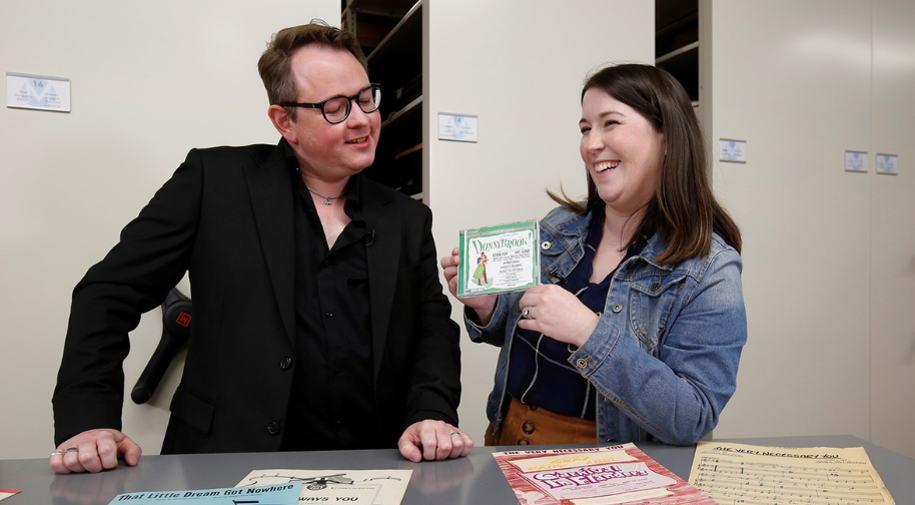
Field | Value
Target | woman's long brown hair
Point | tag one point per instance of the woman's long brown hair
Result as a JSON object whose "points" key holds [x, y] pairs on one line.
{"points": [[684, 209]]}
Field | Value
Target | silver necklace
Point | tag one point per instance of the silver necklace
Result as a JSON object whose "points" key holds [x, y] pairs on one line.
{"points": [[328, 200]]}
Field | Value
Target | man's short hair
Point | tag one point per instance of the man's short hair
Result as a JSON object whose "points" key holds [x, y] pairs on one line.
{"points": [[275, 64]]}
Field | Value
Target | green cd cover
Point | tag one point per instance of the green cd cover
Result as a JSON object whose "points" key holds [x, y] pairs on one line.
{"points": [[499, 259]]}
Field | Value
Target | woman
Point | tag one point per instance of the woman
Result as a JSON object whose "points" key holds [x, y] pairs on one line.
{"points": [[479, 274], [636, 330]]}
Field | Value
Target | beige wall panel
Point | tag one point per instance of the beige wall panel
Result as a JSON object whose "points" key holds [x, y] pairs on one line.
{"points": [[519, 66], [150, 80], [892, 231], [793, 80]]}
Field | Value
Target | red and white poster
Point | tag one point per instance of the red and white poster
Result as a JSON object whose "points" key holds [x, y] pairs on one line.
{"points": [[594, 476]]}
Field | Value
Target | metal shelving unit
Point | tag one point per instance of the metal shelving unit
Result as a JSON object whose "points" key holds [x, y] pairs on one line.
{"points": [[391, 32]]}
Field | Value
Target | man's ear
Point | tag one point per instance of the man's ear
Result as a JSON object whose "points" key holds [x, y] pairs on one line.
{"points": [[282, 122]]}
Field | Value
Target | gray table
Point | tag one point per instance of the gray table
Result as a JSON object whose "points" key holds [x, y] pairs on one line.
{"points": [[472, 480]]}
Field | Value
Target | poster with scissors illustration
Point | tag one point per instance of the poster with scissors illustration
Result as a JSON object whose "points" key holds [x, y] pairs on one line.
{"points": [[362, 487]]}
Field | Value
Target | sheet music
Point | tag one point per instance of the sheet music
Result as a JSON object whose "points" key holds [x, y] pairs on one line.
{"points": [[740, 474]]}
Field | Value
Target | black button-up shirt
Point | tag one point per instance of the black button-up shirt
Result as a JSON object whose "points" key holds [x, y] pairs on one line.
{"points": [[332, 402]]}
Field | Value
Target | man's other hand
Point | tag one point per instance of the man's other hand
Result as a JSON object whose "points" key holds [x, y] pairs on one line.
{"points": [[93, 451], [436, 440]]}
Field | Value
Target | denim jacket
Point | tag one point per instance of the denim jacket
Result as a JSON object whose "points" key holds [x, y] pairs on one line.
{"points": [[663, 357]]}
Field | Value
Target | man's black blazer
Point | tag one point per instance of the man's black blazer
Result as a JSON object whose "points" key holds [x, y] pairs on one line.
{"points": [[226, 216]]}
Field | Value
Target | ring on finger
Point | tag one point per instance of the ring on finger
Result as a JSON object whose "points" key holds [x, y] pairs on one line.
{"points": [[71, 449], [455, 434], [57, 453], [526, 312]]}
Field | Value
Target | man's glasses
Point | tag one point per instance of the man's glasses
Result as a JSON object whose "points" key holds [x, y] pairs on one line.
{"points": [[336, 109]]}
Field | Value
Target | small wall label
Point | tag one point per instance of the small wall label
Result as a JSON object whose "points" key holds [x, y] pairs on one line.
{"points": [[460, 127], [734, 151], [888, 164], [856, 161], [24, 91]]}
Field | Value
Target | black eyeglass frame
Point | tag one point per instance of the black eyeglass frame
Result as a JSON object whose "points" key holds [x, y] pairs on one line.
{"points": [[349, 103]]}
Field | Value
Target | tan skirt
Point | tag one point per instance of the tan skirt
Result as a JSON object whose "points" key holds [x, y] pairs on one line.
{"points": [[526, 425]]}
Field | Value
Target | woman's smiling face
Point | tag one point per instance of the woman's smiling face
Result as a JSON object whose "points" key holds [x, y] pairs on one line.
{"points": [[622, 150]]}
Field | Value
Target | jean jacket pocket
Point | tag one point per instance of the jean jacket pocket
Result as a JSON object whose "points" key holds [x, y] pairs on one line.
{"points": [[652, 300]]}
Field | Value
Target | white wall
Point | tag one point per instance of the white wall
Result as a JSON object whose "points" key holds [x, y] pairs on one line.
{"points": [[519, 66], [892, 199], [828, 254], [799, 99], [150, 80]]}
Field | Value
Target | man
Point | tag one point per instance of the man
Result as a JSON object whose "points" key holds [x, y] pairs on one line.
{"points": [[319, 319]]}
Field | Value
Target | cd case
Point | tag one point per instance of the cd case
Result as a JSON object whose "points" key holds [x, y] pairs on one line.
{"points": [[499, 259]]}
